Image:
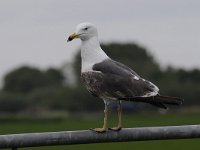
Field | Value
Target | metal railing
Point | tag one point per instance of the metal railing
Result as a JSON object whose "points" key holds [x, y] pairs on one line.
{"points": [[15, 141]]}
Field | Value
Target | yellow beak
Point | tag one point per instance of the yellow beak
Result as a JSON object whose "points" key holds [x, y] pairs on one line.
{"points": [[73, 36]]}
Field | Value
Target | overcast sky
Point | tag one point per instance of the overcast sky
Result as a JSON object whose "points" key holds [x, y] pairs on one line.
{"points": [[34, 32]]}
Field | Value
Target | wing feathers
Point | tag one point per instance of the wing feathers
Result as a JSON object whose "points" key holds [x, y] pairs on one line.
{"points": [[157, 100]]}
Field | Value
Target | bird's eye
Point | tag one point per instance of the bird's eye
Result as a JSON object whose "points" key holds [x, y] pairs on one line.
{"points": [[86, 28]]}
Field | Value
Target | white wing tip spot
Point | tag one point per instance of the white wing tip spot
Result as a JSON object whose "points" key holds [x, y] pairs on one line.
{"points": [[136, 78]]}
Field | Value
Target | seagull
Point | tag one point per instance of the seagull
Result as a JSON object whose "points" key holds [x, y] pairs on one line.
{"points": [[111, 80]]}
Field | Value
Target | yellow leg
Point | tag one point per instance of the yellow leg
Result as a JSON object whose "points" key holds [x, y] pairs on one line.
{"points": [[105, 127], [119, 126]]}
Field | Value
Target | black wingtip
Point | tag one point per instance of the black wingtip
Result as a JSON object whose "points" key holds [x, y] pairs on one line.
{"points": [[156, 99]]}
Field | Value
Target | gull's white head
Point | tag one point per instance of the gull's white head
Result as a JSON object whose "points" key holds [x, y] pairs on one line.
{"points": [[84, 31]]}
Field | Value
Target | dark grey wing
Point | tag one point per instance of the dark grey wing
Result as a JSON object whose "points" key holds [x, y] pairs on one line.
{"points": [[113, 86], [114, 80], [114, 67]]}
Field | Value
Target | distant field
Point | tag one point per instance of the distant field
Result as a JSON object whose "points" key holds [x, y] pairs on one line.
{"points": [[129, 120]]}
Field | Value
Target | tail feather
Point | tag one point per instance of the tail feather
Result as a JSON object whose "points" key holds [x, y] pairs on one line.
{"points": [[157, 100]]}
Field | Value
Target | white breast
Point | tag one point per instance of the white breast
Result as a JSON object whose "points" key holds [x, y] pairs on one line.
{"points": [[91, 53]]}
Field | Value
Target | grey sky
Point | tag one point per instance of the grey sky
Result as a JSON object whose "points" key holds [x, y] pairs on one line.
{"points": [[34, 32]]}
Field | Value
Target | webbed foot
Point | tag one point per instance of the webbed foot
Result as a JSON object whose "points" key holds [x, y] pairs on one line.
{"points": [[99, 130], [115, 128]]}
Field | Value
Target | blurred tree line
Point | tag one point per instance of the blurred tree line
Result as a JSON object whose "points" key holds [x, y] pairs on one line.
{"points": [[30, 89]]}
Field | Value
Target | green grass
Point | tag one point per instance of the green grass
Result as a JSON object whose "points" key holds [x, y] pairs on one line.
{"points": [[79, 123]]}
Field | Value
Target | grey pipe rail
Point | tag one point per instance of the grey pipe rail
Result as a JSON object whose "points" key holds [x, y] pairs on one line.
{"points": [[15, 141]]}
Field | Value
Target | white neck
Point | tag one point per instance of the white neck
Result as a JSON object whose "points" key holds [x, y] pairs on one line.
{"points": [[91, 53]]}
